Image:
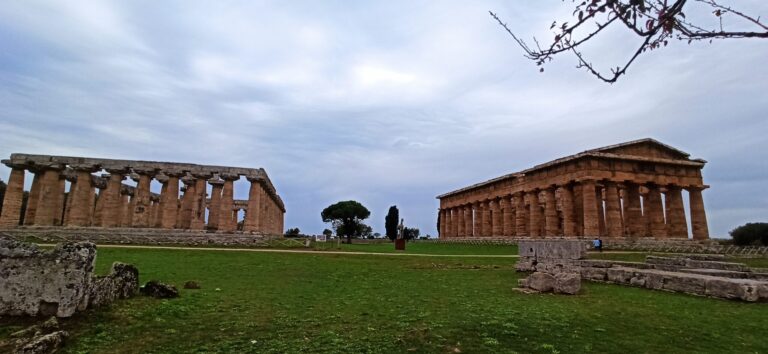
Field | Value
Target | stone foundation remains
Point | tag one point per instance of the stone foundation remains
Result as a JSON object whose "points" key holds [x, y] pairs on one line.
{"points": [[136, 236], [703, 275], [58, 282]]}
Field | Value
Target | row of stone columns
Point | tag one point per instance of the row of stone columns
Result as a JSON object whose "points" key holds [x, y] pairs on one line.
{"points": [[585, 208], [117, 205]]}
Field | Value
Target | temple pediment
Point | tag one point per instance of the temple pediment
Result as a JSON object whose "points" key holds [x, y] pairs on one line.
{"points": [[649, 148]]}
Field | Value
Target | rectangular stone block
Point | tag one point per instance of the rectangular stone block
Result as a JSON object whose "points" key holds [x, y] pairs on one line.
{"points": [[605, 263], [668, 261], [598, 274], [619, 275], [736, 267], [731, 289], [560, 249], [686, 283]]}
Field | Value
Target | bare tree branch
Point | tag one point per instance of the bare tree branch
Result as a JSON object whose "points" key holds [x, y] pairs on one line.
{"points": [[654, 21]]}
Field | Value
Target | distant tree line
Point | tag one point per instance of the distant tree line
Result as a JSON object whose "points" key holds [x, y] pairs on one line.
{"points": [[751, 234]]}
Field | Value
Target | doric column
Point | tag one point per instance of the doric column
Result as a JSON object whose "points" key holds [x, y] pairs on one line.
{"points": [[677, 226], [187, 201], [198, 206], [14, 195], [699, 226], [70, 176], [451, 222], [141, 200], [217, 185], [485, 219], [91, 203], [467, 219], [600, 210], [49, 199], [34, 195], [112, 214], [578, 208], [591, 223], [454, 222], [98, 213], [507, 218], [496, 219], [633, 211], [521, 226], [462, 231], [655, 208], [534, 214], [551, 221], [443, 222], [226, 222], [59, 217], [477, 220], [569, 217], [127, 203], [80, 194], [613, 210], [255, 201], [154, 201]]}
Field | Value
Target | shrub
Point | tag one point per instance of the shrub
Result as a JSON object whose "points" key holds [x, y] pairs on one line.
{"points": [[753, 233]]}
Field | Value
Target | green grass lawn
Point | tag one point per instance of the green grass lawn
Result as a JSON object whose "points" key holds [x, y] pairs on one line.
{"points": [[290, 303], [433, 248]]}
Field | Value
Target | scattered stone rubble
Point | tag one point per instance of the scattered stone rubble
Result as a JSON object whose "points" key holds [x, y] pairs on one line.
{"points": [[159, 290], [58, 282], [703, 275], [685, 274], [38, 339]]}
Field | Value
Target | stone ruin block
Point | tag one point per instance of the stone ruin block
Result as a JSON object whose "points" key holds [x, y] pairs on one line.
{"points": [[35, 282], [58, 282], [122, 282], [561, 249]]}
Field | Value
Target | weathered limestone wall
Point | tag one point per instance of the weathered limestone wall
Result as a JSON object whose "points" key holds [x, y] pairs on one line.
{"points": [[58, 282]]}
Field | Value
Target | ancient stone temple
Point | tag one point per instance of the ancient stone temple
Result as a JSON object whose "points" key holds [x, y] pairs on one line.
{"points": [[105, 201], [632, 190]]}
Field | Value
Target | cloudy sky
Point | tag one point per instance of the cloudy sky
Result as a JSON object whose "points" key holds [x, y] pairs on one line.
{"points": [[389, 102]]}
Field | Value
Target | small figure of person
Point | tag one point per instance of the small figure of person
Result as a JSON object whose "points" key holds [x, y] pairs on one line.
{"points": [[597, 244]]}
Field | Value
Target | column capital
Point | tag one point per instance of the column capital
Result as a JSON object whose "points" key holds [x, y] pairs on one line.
{"points": [[145, 171], [127, 190], [216, 181], [171, 172], [90, 168], [117, 171], [202, 174], [162, 177], [258, 179], [14, 165], [99, 182], [229, 176], [188, 179], [696, 187]]}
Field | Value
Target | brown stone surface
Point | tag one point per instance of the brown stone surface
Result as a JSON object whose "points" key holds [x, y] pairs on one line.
{"points": [[254, 217], [106, 202], [599, 194], [34, 195], [699, 226], [14, 192]]}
